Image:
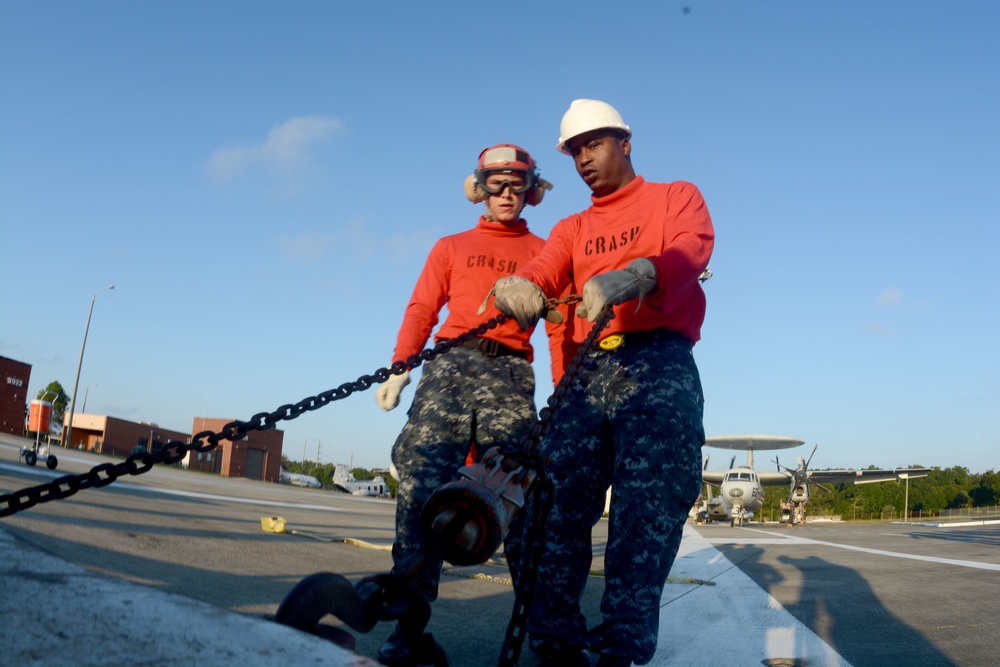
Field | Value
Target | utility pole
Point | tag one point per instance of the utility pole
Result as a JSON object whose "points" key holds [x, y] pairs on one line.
{"points": [[906, 502], [76, 383]]}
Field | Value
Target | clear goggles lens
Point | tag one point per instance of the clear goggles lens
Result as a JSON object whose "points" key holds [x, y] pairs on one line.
{"points": [[494, 182]]}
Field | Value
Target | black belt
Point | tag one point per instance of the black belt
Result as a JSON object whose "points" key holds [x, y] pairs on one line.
{"points": [[494, 348], [636, 338]]}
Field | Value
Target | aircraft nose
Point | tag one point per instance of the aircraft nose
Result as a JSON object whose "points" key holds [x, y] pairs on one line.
{"points": [[735, 493]]}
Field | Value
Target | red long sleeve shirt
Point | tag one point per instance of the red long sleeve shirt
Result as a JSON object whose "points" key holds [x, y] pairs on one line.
{"points": [[665, 222], [459, 272]]}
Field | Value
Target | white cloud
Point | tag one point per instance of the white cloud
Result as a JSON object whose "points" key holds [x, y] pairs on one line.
{"points": [[353, 240], [311, 247], [877, 328], [889, 296], [358, 238], [413, 244], [286, 152]]}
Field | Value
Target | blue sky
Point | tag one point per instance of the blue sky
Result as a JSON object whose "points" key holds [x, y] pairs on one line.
{"points": [[262, 182]]}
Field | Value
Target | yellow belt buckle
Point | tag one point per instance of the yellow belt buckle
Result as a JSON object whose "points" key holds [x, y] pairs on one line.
{"points": [[611, 342]]}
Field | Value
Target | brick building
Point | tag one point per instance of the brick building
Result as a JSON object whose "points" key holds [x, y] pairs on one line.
{"points": [[258, 456], [14, 377], [109, 435]]}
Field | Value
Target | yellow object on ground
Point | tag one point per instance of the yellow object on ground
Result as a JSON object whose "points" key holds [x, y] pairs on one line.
{"points": [[276, 524], [272, 524]]}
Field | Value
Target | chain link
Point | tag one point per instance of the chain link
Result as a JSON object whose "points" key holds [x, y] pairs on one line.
{"points": [[517, 629], [569, 300], [174, 451]]}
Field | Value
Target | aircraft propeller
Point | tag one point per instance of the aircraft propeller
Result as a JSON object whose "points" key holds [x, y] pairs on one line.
{"points": [[801, 474]]}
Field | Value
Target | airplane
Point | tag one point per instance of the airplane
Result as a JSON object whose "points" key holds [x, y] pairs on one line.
{"points": [[343, 478], [740, 487], [295, 479]]}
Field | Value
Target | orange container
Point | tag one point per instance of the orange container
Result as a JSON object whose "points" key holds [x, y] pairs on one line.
{"points": [[40, 416]]}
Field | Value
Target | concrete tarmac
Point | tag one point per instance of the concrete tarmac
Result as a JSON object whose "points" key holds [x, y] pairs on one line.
{"points": [[174, 568]]}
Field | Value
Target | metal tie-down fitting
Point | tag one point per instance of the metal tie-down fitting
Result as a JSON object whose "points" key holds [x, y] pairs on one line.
{"points": [[483, 503]]}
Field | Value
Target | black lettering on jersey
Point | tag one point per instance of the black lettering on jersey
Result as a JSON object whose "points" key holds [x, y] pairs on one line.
{"points": [[507, 266], [600, 245]]}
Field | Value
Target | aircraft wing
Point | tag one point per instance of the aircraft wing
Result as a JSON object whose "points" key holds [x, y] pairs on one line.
{"points": [[774, 478], [864, 476], [713, 476]]}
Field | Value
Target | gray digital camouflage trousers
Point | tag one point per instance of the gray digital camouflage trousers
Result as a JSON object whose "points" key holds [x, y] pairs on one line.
{"points": [[632, 421], [453, 389]]}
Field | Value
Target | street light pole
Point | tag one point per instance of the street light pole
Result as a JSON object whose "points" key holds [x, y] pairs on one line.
{"points": [[906, 501], [303, 467], [76, 383], [86, 393]]}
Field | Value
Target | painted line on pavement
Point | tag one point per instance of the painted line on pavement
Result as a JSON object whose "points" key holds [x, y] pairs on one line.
{"points": [[784, 539], [734, 622]]}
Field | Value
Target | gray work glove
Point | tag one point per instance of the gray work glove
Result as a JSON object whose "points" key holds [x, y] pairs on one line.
{"points": [[519, 298], [616, 287], [387, 396]]}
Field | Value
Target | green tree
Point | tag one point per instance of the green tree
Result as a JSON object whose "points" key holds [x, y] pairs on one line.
{"points": [[961, 501], [987, 492]]}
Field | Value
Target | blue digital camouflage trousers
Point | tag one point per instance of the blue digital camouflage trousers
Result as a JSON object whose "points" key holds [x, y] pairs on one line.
{"points": [[453, 389], [632, 420]]}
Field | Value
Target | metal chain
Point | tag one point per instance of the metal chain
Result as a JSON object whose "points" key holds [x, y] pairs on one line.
{"points": [[174, 451], [517, 629], [569, 300]]}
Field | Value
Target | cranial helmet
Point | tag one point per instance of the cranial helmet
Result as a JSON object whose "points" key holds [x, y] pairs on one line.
{"points": [[506, 159], [588, 115]]}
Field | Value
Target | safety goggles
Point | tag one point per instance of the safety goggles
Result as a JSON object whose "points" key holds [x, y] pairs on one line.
{"points": [[494, 181]]}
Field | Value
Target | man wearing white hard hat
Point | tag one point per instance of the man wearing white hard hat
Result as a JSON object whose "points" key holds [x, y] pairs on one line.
{"points": [[633, 419], [480, 394]]}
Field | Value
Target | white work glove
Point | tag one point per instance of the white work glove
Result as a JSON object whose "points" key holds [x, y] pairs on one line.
{"points": [[387, 396], [519, 298], [616, 287]]}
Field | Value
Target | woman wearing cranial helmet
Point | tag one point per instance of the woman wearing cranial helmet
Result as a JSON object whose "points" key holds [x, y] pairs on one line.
{"points": [[505, 171], [481, 393]]}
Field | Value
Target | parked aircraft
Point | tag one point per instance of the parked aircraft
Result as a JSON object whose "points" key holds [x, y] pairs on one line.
{"points": [[296, 479], [740, 488], [343, 478]]}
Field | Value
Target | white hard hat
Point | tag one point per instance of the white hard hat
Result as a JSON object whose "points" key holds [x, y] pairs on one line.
{"points": [[586, 115]]}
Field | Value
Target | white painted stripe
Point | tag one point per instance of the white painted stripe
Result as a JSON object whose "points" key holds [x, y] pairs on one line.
{"points": [[782, 539], [118, 484], [698, 622], [230, 499]]}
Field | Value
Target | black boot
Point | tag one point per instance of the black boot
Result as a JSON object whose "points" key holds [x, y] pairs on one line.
{"points": [[574, 657], [396, 652]]}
